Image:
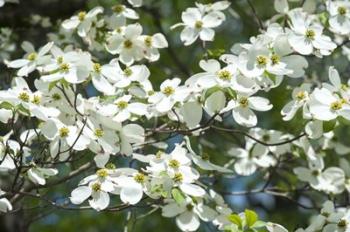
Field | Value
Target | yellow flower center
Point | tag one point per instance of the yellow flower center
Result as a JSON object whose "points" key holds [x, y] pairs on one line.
{"points": [[140, 178], [174, 163], [128, 44], [24, 96], [81, 15], [36, 99], [63, 132], [189, 207], [97, 67], [315, 172], [337, 105], [102, 173], [127, 72], [178, 177], [148, 41], [96, 187], [122, 104], [64, 67], [198, 24], [168, 90], [341, 10], [56, 97], [225, 75], [243, 102], [342, 223], [275, 59], [301, 95], [99, 133], [310, 34], [261, 60], [32, 56], [110, 166], [118, 8]]}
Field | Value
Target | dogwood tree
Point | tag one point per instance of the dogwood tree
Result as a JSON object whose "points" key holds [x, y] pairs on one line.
{"points": [[129, 116]]}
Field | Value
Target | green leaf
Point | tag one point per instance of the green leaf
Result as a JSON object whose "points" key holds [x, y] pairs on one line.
{"points": [[211, 91], [215, 53], [23, 110], [323, 17], [272, 77], [251, 217], [235, 219], [259, 224], [231, 93], [6, 105], [329, 125], [177, 195], [52, 85]]}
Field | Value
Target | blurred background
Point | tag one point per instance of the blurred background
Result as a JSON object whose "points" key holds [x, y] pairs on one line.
{"points": [[32, 20]]}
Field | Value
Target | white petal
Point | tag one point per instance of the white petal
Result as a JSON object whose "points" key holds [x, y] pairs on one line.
{"points": [[192, 113], [80, 194], [215, 102], [5, 205], [131, 194], [211, 65], [334, 77], [36, 177], [102, 85], [207, 34], [18, 63], [192, 190], [71, 23], [99, 201], [5, 115], [259, 103], [244, 117], [300, 44], [281, 6], [159, 41], [188, 35], [188, 221]]}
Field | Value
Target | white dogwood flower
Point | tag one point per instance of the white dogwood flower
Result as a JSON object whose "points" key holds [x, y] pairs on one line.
{"points": [[72, 67], [248, 160], [306, 37], [39, 175], [152, 44], [123, 11], [169, 94], [325, 106], [122, 109], [32, 59], [300, 97], [329, 180], [242, 109], [199, 25], [339, 19], [83, 21], [63, 137], [188, 213], [128, 44]]}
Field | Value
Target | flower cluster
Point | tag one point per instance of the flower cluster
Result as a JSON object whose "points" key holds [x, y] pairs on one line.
{"points": [[73, 104]]}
